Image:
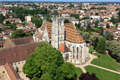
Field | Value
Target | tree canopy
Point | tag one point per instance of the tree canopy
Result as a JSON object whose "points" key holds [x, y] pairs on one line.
{"points": [[47, 63], [37, 21], [113, 47], [19, 33]]}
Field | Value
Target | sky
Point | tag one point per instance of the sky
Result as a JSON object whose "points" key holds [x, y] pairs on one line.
{"points": [[69, 0]]}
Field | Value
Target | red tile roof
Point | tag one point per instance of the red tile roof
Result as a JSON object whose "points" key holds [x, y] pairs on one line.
{"points": [[64, 48], [11, 72], [71, 34], [48, 24], [16, 53]]}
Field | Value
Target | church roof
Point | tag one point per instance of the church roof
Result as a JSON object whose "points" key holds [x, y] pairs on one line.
{"points": [[16, 53], [48, 24], [71, 34], [64, 48]]}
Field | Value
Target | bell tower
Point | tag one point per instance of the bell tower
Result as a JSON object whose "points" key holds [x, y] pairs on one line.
{"points": [[57, 32]]}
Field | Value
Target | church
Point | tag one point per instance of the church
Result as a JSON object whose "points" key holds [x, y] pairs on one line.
{"points": [[65, 38]]}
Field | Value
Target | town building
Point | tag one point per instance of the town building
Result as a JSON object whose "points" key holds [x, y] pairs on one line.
{"points": [[65, 38]]}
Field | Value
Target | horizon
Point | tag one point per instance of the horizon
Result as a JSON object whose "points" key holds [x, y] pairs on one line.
{"points": [[59, 1]]}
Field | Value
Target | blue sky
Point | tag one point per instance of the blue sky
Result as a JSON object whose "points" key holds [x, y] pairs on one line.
{"points": [[69, 0]]}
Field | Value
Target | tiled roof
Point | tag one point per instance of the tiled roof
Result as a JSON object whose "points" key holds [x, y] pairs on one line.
{"points": [[64, 48], [48, 24], [39, 35], [70, 25], [11, 72], [111, 30], [23, 40], [71, 34], [16, 53]]}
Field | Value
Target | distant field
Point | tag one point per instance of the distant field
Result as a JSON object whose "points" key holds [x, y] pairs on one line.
{"points": [[107, 62], [102, 74], [79, 72]]}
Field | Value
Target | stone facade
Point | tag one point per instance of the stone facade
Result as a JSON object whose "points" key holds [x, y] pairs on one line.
{"points": [[65, 38]]}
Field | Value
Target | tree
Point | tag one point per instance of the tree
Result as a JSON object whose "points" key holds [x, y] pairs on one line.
{"points": [[46, 76], [75, 16], [107, 25], [86, 36], [19, 33], [37, 20], [66, 21], [1, 18], [88, 27], [8, 23], [97, 14], [108, 35], [95, 42], [40, 61], [69, 71], [119, 16], [101, 32], [96, 23], [13, 26], [113, 47], [101, 46], [87, 76], [113, 20], [56, 73]]}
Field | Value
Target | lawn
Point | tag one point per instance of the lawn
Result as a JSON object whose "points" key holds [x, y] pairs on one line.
{"points": [[106, 61], [91, 50], [102, 74], [79, 72]]}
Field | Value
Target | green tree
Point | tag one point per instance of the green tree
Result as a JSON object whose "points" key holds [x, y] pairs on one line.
{"points": [[113, 47], [8, 23], [1, 18], [113, 20], [86, 36], [37, 20], [119, 16], [40, 61], [101, 32], [56, 73], [75, 16], [108, 35], [101, 46], [88, 27], [46, 76], [13, 26], [19, 33], [66, 21], [107, 25], [95, 42], [69, 71]]}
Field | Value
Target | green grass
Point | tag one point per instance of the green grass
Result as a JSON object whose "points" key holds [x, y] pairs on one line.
{"points": [[102, 74], [79, 72], [91, 49], [107, 62]]}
